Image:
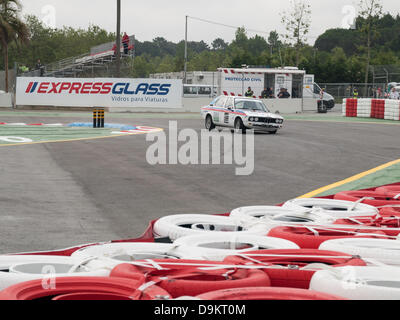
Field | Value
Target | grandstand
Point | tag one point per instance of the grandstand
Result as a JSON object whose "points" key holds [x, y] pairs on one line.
{"points": [[100, 57]]}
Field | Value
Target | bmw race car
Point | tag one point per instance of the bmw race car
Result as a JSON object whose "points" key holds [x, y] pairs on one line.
{"points": [[240, 113]]}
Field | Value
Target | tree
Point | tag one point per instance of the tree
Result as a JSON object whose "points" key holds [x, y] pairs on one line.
{"points": [[371, 11], [12, 29], [273, 41], [241, 39], [297, 23], [219, 44]]}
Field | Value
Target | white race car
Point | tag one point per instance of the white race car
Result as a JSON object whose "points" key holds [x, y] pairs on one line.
{"points": [[240, 113]]}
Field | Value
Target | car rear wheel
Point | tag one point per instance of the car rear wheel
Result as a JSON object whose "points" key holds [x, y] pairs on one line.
{"points": [[210, 125], [273, 132]]}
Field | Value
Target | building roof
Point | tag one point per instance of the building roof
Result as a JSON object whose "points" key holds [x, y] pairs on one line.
{"points": [[289, 70]]}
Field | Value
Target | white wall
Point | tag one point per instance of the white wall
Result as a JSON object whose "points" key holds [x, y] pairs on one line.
{"points": [[6, 100], [195, 104]]}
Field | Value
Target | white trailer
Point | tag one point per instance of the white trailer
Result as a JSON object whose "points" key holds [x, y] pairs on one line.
{"points": [[236, 81]]}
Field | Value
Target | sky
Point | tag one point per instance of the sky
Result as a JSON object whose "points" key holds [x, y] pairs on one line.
{"points": [[160, 18]]}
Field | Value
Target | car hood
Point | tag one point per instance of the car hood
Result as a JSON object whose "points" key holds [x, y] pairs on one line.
{"points": [[261, 114]]}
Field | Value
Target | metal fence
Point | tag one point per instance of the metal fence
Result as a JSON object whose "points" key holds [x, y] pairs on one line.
{"points": [[346, 90]]}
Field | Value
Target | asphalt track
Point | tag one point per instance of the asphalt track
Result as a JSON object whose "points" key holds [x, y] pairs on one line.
{"points": [[56, 195]]}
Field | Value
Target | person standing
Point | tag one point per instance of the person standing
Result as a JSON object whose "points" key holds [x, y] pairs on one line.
{"points": [[249, 93], [265, 94], [355, 93], [394, 94], [125, 43], [40, 67], [379, 93]]}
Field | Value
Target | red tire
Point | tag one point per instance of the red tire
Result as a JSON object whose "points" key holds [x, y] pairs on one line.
{"points": [[306, 239], [267, 294], [34, 289], [294, 260], [192, 282], [390, 212], [379, 222], [378, 200], [78, 296], [389, 191]]}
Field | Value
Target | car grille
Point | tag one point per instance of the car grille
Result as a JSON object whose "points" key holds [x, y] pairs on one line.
{"points": [[267, 120]]}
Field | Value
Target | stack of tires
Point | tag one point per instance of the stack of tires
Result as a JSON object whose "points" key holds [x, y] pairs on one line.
{"points": [[349, 108], [344, 247], [372, 108], [364, 108], [392, 110]]}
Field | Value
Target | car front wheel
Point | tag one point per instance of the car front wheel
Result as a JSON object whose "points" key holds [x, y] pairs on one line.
{"points": [[239, 126], [209, 123]]}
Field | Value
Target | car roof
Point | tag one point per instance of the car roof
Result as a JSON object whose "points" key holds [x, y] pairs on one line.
{"points": [[240, 97]]}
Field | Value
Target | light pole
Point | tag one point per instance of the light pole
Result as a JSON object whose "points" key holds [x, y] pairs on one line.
{"points": [[186, 57], [118, 53]]}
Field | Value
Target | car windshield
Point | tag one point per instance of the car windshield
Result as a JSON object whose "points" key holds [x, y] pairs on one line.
{"points": [[254, 105]]}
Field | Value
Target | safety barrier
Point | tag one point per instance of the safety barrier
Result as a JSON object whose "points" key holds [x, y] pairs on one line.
{"points": [[317, 248], [98, 118], [372, 108]]}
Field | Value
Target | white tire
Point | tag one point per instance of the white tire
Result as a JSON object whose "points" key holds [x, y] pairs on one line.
{"points": [[260, 212], [338, 209], [128, 251], [359, 283], [382, 250], [177, 226], [51, 268], [218, 246], [6, 261], [277, 216]]}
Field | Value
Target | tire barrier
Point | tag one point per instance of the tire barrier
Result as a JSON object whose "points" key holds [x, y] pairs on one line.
{"points": [[50, 268], [275, 215], [194, 281], [379, 221], [390, 191], [129, 289], [390, 211], [372, 108], [335, 208], [217, 247], [342, 247], [312, 237], [265, 293], [350, 107], [359, 283], [293, 268], [123, 252], [176, 226], [381, 250], [372, 198]]}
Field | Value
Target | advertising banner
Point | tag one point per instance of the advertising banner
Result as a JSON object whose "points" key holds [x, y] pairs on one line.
{"points": [[99, 92]]}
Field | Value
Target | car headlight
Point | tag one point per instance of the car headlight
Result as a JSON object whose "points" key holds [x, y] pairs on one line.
{"points": [[251, 119], [256, 119]]}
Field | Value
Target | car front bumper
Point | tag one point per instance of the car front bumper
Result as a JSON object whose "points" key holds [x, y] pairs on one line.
{"points": [[263, 126]]}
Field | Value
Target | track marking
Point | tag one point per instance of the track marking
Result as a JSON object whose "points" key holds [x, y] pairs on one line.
{"points": [[348, 180], [76, 139]]}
